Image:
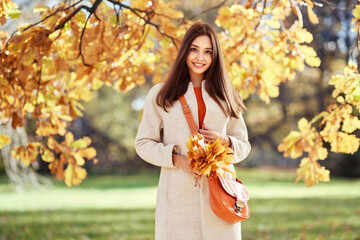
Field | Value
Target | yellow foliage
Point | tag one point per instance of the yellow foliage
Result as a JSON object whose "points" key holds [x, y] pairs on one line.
{"points": [[72, 152], [47, 156], [312, 172], [337, 124], [341, 141], [6, 8], [346, 143], [350, 124], [253, 47], [206, 158], [312, 16], [356, 18], [27, 154], [59, 64], [306, 140], [297, 142], [348, 84], [4, 140], [291, 145], [74, 175]]}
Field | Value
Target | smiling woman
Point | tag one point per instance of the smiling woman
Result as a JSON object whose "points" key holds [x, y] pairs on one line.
{"points": [[183, 211]]}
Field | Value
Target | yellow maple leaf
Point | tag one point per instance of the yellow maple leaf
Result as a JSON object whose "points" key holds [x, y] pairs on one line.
{"points": [[74, 175]]}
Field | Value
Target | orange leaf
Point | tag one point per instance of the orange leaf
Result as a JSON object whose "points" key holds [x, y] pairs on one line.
{"points": [[312, 16], [16, 120], [69, 138], [89, 153]]}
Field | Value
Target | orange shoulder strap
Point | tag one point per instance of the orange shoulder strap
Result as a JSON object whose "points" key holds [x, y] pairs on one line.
{"points": [[188, 115]]}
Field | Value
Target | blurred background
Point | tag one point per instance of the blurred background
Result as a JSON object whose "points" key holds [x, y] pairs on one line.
{"points": [[112, 118], [121, 187]]}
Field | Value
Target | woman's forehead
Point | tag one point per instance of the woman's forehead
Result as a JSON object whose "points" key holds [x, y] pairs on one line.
{"points": [[202, 41]]}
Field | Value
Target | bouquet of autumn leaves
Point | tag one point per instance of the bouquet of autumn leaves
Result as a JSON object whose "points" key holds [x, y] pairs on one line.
{"points": [[206, 158]]}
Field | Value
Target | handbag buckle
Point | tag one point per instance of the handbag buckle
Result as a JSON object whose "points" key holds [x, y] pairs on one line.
{"points": [[183, 108], [239, 205]]}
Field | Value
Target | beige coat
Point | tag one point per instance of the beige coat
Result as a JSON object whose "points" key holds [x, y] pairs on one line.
{"points": [[183, 211]]}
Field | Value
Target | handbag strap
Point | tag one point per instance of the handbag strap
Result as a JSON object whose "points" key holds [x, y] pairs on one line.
{"points": [[188, 115]]}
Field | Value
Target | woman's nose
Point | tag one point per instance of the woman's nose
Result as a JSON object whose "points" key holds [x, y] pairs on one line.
{"points": [[200, 56]]}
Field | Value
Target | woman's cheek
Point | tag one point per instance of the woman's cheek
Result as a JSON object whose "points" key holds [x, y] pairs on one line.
{"points": [[191, 56], [209, 59]]}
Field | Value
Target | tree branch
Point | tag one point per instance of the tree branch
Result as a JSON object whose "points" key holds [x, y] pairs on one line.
{"points": [[147, 20], [92, 11], [38, 89], [181, 20], [209, 9], [335, 6], [73, 13], [80, 44], [42, 20], [145, 32], [47, 17]]}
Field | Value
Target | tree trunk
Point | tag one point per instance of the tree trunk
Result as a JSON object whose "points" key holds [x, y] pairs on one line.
{"points": [[19, 174]]}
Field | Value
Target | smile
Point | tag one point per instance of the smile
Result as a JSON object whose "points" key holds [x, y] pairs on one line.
{"points": [[198, 64]]}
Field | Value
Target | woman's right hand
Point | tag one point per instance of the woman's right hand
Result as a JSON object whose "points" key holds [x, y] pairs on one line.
{"points": [[184, 164]]}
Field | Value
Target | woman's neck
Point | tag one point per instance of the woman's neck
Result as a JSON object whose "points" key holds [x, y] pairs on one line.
{"points": [[196, 80]]}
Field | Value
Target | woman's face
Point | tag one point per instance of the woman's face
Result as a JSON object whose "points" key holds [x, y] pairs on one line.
{"points": [[199, 58]]}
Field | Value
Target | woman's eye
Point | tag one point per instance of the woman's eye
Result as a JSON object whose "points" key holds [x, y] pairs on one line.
{"points": [[208, 52], [192, 49]]}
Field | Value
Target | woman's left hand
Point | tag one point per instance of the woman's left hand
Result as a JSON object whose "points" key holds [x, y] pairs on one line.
{"points": [[211, 135]]}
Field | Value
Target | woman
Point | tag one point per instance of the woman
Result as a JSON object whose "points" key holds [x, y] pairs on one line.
{"points": [[183, 211]]}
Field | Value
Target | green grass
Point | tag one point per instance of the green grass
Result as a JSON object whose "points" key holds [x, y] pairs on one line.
{"points": [[122, 207]]}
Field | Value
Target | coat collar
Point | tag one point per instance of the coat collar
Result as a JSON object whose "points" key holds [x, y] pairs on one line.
{"points": [[205, 94]]}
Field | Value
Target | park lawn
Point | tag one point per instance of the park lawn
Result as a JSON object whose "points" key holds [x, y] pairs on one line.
{"points": [[122, 207]]}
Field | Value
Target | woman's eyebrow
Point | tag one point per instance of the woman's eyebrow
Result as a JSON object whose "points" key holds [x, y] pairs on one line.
{"points": [[199, 47]]}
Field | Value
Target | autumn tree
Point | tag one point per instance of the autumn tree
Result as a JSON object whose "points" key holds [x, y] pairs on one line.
{"points": [[49, 68], [336, 126]]}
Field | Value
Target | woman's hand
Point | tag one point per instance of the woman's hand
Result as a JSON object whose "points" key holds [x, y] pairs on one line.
{"points": [[184, 164], [211, 136]]}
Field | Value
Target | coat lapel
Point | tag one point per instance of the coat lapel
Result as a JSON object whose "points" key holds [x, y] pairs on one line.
{"points": [[214, 116]]}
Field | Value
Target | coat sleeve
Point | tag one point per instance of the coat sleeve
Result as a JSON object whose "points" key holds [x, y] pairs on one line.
{"points": [[237, 132], [148, 142]]}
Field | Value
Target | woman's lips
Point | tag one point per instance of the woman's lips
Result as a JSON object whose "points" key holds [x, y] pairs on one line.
{"points": [[198, 65]]}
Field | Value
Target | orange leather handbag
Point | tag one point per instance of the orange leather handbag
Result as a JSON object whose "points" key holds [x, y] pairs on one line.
{"points": [[228, 197]]}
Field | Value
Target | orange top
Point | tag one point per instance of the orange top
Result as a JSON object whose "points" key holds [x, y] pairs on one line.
{"points": [[201, 106]]}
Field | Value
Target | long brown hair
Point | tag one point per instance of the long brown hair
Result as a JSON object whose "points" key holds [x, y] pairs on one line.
{"points": [[217, 83]]}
